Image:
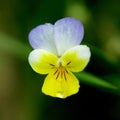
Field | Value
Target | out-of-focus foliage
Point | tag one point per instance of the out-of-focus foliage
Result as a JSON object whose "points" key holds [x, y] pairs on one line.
{"points": [[20, 87]]}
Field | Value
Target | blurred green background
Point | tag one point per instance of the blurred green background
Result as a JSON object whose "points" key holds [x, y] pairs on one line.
{"points": [[20, 86]]}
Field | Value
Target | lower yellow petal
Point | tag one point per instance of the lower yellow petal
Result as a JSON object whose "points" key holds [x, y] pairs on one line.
{"points": [[76, 58], [60, 83], [42, 61]]}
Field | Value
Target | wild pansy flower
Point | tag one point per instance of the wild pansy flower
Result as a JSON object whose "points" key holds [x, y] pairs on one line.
{"points": [[57, 53]]}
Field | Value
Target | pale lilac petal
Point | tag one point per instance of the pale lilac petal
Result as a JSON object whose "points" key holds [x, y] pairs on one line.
{"points": [[68, 32], [41, 37]]}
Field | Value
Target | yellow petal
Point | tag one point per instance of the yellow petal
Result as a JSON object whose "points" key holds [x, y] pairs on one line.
{"points": [[60, 83], [42, 61], [76, 58]]}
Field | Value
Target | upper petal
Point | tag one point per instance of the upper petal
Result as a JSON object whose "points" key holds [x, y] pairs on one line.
{"points": [[42, 61], [76, 58], [68, 32], [41, 37]]}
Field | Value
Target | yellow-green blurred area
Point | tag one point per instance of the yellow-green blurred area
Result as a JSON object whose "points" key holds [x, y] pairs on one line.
{"points": [[20, 86]]}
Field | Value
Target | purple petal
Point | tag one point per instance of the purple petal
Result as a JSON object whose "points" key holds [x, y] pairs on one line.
{"points": [[41, 37], [68, 32]]}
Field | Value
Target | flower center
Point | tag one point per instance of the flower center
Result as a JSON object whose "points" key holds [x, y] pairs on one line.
{"points": [[61, 73]]}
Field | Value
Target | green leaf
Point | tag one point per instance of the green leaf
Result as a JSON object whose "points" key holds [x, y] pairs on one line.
{"points": [[93, 80], [115, 80], [13, 46]]}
